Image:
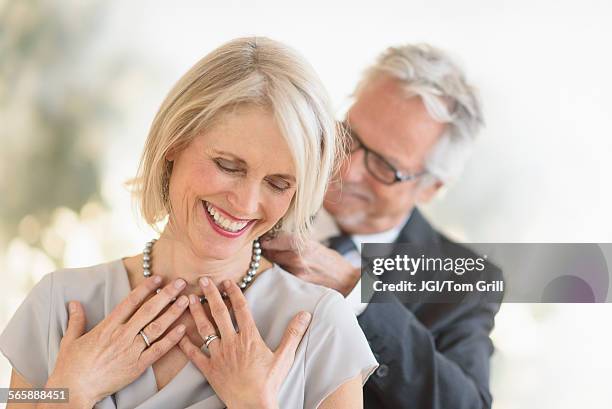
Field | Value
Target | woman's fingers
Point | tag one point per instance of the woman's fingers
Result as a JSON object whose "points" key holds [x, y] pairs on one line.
{"points": [[152, 307], [76, 321], [203, 324], [240, 306], [159, 348], [292, 337], [218, 310], [135, 298], [156, 328], [194, 354]]}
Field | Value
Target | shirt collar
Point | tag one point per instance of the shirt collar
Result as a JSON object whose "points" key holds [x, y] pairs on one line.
{"points": [[387, 236], [325, 227]]}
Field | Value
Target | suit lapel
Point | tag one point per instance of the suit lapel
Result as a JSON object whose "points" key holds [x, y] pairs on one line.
{"points": [[418, 231], [423, 240]]}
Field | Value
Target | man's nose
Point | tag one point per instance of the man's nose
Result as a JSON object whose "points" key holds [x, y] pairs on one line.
{"points": [[354, 169], [244, 198]]}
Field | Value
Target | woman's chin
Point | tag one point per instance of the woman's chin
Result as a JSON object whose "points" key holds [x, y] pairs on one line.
{"points": [[213, 246]]}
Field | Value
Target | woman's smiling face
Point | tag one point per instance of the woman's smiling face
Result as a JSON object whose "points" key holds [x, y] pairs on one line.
{"points": [[231, 184]]}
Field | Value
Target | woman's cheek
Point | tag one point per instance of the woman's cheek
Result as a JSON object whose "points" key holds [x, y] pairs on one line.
{"points": [[283, 203], [213, 181], [289, 201]]}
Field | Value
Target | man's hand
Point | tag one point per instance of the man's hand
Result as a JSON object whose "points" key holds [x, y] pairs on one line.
{"points": [[315, 263]]}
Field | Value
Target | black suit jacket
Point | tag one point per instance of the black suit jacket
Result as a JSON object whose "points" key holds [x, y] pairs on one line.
{"points": [[432, 356]]}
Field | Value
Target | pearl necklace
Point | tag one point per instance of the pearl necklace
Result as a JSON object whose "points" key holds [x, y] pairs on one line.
{"points": [[243, 284]]}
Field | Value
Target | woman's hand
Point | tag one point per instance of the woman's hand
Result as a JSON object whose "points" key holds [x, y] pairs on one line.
{"points": [[242, 370], [113, 354]]}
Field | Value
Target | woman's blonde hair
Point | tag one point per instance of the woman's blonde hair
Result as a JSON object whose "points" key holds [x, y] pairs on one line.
{"points": [[245, 71]]}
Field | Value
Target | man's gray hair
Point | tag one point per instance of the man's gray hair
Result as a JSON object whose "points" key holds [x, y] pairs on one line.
{"points": [[425, 71]]}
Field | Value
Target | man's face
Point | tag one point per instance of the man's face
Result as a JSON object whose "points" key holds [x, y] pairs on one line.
{"points": [[401, 130]]}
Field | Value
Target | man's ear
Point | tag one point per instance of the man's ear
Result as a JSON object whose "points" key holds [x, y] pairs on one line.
{"points": [[425, 194]]}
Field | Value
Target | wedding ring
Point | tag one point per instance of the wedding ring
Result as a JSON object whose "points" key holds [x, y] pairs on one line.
{"points": [[144, 337], [210, 338]]}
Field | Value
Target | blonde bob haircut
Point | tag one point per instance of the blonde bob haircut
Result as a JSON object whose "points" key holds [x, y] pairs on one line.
{"points": [[246, 71]]}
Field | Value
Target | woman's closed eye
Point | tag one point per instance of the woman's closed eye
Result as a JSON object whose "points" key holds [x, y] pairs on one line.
{"points": [[227, 166], [278, 184]]}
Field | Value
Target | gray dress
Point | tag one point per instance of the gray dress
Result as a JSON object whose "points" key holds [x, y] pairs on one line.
{"points": [[333, 350]]}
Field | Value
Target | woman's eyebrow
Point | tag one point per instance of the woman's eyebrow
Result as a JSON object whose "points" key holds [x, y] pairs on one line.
{"points": [[290, 178], [236, 158]]}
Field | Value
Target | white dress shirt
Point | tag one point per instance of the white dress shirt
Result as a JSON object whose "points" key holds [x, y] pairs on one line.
{"points": [[325, 227]]}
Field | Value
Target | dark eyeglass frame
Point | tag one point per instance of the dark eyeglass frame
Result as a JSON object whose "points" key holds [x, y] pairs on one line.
{"points": [[398, 176]]}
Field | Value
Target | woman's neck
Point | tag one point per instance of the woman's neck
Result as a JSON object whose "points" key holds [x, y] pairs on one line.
{"points": [[172, 259]]}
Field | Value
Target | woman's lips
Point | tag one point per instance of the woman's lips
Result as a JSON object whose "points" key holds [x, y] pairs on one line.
{"points": [[221, 230], [226, 214]]}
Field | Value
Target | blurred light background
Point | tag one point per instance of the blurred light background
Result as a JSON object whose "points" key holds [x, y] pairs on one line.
{"points": [[80, 82]]}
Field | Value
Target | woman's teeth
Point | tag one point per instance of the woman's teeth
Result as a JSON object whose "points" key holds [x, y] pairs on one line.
{"points": [[223, 222]]}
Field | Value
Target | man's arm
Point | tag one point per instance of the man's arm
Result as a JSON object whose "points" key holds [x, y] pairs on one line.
{"points": [[450, 370]]}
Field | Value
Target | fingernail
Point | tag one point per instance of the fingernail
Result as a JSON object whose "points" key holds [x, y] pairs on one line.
{"points": [[304, 317], [192, 299], [227, 284], [179, 283], [204, 281], [180, 329], [182, 301], [72, 307], [157, 279]]}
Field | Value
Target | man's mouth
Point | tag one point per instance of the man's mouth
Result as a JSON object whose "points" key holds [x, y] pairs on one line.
{"points": [[351, 191], [224, 221], [356, 195]]}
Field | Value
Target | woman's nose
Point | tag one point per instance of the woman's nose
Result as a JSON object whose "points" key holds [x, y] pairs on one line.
{"points": [[244, 199]]}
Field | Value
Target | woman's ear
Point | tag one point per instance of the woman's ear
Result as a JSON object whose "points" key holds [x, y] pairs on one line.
{"points": [[170, 155]]}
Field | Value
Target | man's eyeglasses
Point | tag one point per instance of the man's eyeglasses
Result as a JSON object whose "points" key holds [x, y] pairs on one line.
{"points": [[376, 164]]}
